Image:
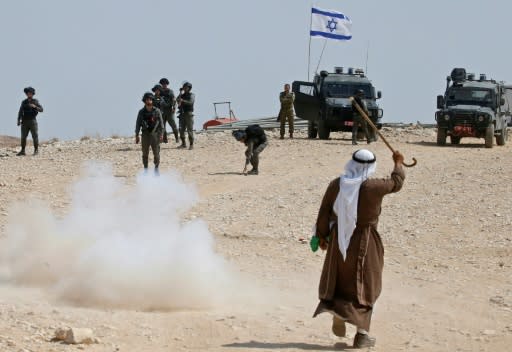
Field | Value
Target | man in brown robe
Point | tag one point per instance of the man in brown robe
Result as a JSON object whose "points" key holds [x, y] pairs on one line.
{"points": [[351, 279]]}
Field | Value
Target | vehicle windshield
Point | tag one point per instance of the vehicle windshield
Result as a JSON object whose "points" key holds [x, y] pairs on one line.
{"points": [[345, 90], [469, 96]]}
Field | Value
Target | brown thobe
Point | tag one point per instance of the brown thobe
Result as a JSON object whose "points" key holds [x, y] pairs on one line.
{"points": [[350, 287]]}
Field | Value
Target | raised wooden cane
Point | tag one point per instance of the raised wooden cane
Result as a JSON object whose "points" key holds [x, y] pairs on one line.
{"points": [[363, 114]]}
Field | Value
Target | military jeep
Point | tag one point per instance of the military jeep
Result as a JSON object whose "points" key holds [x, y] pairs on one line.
{"points": [[325, 101], [472, 107]]}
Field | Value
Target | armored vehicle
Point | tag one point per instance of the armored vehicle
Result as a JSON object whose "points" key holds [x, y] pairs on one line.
{"points": [[325, 101], [473, 107]]}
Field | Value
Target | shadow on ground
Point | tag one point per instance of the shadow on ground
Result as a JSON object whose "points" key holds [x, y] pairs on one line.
{"points": [[340, 346]]}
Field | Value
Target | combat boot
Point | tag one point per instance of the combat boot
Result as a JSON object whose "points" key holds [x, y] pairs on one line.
{"points": [[291, 135], [165, 140], [36, 151], [253, 172], [191, 147], [157, 171], [21, 152], [183, 144], [363, 341]]}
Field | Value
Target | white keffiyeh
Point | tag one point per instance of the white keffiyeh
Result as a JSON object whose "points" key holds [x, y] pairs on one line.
{"points": [[357, 170]]}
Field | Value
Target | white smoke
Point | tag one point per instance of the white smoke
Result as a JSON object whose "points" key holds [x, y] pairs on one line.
{"points": [[119, 245]]}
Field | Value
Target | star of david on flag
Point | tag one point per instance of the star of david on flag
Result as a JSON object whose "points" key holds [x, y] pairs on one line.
{"points": [[330, 24]]}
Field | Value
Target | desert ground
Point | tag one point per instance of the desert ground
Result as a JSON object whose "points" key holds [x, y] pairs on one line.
{"points": [[447, 236]]}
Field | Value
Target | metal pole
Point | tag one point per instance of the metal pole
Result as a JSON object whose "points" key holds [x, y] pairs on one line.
{"points": [[309, 50], [321, 55]]}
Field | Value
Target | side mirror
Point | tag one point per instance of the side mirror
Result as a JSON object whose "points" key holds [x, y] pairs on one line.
{"points": [[379, 94], [440, 102], [502, 101]]}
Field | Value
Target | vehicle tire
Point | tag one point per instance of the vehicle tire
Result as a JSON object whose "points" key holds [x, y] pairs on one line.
{"points": [[441, 136], [312, 130], [489, 136], [323, 130], [501, 139], [454, 140]]}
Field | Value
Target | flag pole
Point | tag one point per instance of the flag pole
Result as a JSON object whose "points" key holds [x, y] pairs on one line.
{"points": [[321, 55], [309, 50]]}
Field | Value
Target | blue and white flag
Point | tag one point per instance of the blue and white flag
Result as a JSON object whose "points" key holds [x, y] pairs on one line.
{"points": [[330, 24]]}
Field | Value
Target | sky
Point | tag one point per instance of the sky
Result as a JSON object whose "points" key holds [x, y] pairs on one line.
{"points": [[91, 61]]}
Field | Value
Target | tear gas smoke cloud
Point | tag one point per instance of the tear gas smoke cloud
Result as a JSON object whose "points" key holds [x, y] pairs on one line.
{"points": [[120, 245]]}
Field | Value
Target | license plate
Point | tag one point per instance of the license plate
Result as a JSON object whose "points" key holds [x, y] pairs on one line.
{"points": [[349, 123]]}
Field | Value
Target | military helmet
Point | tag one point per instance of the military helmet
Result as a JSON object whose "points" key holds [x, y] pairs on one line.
{"points": [[147, 95], [29, 90], [164, 81], [239, 134], [157, 87], [187, 84]]}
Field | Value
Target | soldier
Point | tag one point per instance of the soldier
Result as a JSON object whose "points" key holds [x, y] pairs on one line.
{"points": [[149, 120], [357, 119], [158, 100], [169, 109], [346, 226], [255, 139], [29, 109], [185, 102], [286, 112]]}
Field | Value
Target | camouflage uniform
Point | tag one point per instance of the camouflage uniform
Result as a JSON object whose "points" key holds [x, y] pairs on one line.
{"points": [[286, 112], [151, 124], [187, 117], [168, 112], [27, 118], [358, 120], [256, 142]]}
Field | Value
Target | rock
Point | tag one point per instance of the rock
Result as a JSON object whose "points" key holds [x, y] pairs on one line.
{"points": [[488, 332], [75, 336]]}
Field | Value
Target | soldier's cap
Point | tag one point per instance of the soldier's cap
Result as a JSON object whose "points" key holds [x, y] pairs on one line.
{"points": [[147, 95], [157, 87], [364, 156], [239, 134], [29, 89], [164, 81], [187, 84]]}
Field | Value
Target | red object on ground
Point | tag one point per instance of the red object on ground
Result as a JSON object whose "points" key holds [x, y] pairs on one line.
{"points": [[220, 120], [216, 122]]}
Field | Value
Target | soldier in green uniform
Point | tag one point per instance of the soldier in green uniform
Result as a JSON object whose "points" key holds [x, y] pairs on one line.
{"points": [[149, 120], [255, 139], [286, 113], [169, 109], [29, 109], [158, 101], [186, 101], [358, 120]]}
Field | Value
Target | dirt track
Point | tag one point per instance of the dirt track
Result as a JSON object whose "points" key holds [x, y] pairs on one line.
{"points": [[447, 235]]}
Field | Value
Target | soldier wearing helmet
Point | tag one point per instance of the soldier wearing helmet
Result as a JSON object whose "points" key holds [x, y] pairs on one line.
{"points": [[358, 120], [29, 109], [168, 109], [149, 121], [185, 102]]}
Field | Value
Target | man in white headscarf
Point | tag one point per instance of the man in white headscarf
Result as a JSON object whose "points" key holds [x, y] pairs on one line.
{"points": [[351, 279]]}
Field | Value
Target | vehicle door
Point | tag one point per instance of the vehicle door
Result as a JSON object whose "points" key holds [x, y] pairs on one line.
{"points": [[306, 104]]}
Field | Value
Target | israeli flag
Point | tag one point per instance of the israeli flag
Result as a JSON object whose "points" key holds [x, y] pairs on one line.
{"points": [[330, 24]]}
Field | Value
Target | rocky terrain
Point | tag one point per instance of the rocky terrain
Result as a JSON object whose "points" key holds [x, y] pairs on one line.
{"points": [[447, 235]]}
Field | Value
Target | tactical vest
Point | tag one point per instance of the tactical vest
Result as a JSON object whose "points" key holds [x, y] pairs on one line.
{"points": [[149, 120], [29, 113]]}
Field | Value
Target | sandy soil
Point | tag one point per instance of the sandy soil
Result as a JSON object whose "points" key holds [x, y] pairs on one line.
{"points": [[447, 235]]}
